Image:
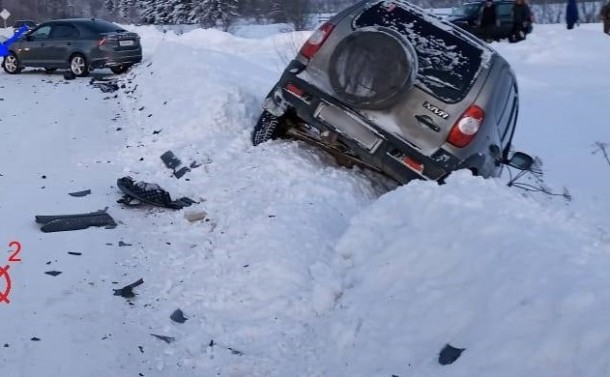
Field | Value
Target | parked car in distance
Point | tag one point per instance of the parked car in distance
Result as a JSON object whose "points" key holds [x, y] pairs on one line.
{"points": [[80, 45], [468, 17], [19, 23], [387, 86]]}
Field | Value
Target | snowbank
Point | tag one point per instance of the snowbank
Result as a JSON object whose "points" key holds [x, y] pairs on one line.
{"points": [[301, 271], [522, 287]]}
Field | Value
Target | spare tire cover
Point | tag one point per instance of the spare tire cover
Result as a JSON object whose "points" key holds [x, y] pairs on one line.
{"points": [[370, 68]]}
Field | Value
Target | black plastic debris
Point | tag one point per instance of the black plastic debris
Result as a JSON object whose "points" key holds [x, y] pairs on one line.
{"points": [[80, 194], [178, 316], [141, 349], [105, 85], [74, 253], [137, 193], [6, 345], [171, 161], [449, 354], [232, 350], [53, 273], [60, 223], [166, 339], [35, 339], [127, 291], [123, 244], [235, 352]]}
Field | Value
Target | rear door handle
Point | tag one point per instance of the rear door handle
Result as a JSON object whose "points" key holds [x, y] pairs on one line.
{"points": [[427, 121]]}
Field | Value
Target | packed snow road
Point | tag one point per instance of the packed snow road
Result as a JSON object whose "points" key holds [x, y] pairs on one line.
{"points": [[58, 137]]}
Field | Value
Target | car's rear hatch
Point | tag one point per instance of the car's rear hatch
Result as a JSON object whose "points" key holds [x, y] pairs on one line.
{"points": [[449, 66], [122, 40]]}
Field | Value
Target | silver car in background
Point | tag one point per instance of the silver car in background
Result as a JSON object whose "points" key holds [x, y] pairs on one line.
{"points": [[388, 86]]}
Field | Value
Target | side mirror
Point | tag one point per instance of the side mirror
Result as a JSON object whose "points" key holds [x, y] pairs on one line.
{"points": [[521, 161]]}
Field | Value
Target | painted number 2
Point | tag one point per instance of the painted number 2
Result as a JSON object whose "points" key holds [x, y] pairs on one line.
{"points": [[17, 248]]}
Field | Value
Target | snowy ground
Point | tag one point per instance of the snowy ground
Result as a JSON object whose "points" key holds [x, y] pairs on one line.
{"points": [[301, 268]]}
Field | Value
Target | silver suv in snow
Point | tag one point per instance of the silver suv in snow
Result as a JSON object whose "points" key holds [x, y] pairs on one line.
{"points": [[387, 86]]}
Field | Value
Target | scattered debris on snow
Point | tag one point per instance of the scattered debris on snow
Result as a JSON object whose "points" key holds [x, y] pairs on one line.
{"points": [[166, 339], [127, 291], [178, 316], [80, 194], [60, 223]]}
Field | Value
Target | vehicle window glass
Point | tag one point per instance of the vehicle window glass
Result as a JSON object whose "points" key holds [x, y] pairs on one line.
{"points": [[502, 90], [100, 26], [41, 33], [64, 31], [465, 10], [510, 107], [504, 11], [447, 64]]}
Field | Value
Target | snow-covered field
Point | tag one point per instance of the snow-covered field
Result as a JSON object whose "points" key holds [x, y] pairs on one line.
{"points": [[301, 268]]}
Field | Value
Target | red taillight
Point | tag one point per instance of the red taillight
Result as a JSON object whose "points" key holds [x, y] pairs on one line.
{"points": [[294, 89], [316, 41], [466, 128], [413, 164], [101, 42]]}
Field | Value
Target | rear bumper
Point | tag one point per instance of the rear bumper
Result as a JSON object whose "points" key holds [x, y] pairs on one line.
{"points": [[117, 59], [366, 142]]}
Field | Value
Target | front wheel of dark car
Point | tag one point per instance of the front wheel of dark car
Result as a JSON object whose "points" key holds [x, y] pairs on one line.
{"points": [[268, 127], [11, 64], [79, 66], [120, 69]]}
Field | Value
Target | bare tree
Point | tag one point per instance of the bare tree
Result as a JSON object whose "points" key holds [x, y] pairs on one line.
{"points": [[296, 12]]}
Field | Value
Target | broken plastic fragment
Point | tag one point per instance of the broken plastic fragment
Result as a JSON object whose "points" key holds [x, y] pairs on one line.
{"points": [[449, 354]]}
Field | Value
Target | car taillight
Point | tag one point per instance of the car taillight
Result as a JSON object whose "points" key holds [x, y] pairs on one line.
{"points": [[313, 44], [466, 128]]}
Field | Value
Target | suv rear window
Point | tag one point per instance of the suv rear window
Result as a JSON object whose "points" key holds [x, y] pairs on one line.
{"points": [[447, 64], [101, 26]]}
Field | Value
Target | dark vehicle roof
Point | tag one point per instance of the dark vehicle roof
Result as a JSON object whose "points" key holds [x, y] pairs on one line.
{"points": [[24, 22], [483, 1], [95, 25]]}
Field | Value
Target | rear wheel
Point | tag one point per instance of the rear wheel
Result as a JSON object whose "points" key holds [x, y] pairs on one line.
{"points": [[268, 127], [79, 65], [120, 69], [11, 64]]}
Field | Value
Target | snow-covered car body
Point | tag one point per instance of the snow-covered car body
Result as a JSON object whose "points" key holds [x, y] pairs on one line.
{"points": [[386, 85]]}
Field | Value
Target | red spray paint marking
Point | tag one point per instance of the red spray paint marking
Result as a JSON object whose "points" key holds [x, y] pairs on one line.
{"points": [[4, 295]]}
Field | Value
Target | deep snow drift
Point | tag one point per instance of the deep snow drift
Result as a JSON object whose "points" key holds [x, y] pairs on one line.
{"points": [[304, 268]]}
